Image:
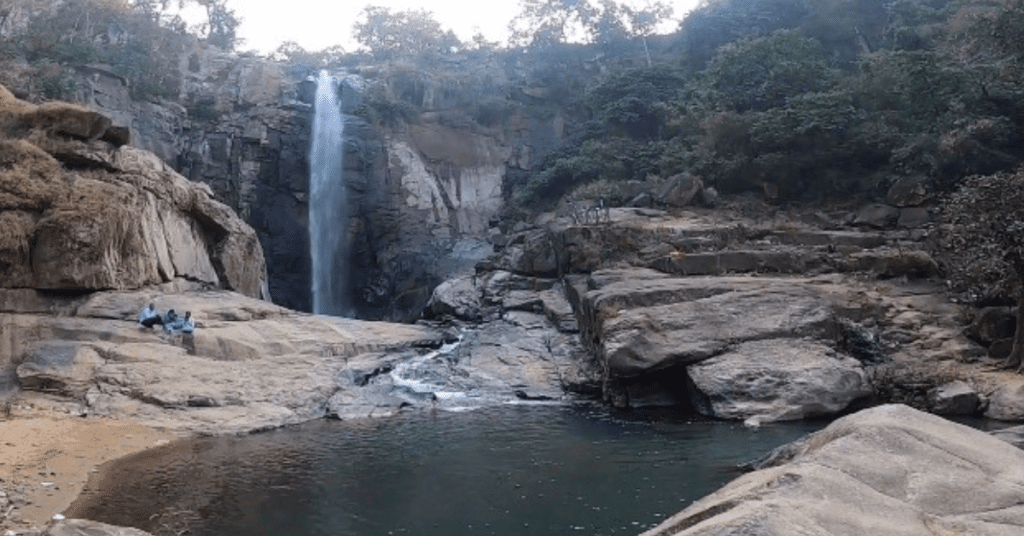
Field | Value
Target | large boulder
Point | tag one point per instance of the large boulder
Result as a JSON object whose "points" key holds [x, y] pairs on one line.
{"points": [[888, 470], [458, 297], [777, 379], [954, 398], [1007, 402], [992, 324], [909, 192], [641, 321], [679, 190], [83, 212]]}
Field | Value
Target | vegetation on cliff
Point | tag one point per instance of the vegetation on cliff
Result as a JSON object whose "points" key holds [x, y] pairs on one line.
{"points": [[143, 41], [833, 100]]}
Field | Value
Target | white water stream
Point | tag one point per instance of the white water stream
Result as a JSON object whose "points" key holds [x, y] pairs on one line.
{"points": [[328, 218]]}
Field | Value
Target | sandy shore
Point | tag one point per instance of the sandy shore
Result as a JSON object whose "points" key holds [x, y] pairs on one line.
{"points": [[46, 459]]}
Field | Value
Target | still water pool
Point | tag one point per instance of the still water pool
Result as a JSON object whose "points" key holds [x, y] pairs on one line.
{"points": [[510, 470]]}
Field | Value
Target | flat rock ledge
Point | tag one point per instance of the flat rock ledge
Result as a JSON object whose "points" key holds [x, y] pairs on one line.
{"points": [[887, 470], [252, 365]]}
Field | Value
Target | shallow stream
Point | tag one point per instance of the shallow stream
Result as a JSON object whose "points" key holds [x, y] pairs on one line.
{"points": [[509, 470]]}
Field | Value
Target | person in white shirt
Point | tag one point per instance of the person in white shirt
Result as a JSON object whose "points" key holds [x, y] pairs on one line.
{"points": [[148, 316]]}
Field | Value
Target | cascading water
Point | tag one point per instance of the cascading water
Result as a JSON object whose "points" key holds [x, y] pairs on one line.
{"points": [[328, 218]]}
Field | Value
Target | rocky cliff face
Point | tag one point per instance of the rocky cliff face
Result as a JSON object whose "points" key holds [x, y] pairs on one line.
{"points": [[428, 155], [82, 211]]}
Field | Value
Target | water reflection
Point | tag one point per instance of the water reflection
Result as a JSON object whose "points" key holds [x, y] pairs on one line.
{"points": [[514, 470]]}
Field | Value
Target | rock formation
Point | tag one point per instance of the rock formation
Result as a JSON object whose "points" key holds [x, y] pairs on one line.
{"points": [[738, 318], [82, 211], [249, 365], [429, 156], [887, 470]]}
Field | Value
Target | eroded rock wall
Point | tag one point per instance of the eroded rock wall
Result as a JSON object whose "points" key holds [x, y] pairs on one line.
{"points": [[82, 211]]}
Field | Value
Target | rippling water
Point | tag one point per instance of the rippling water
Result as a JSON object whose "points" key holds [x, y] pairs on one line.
{"points": [[512, 470]]}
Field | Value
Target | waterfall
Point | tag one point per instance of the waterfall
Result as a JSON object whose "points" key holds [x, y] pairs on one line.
{"points": [[328, 206]]}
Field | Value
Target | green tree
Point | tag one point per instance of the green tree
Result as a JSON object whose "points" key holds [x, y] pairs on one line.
{"points": [[645, 20], [415, 32], [221, 24], [982, 245], [544, 23], [719, 22], [130, 38], [633, 103], [292, 53], [762, 73]]}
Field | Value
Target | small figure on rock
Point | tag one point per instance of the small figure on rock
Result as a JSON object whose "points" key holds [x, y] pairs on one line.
{"points": [[169, 319], [188, 325], [181, 325], [148, 316]]}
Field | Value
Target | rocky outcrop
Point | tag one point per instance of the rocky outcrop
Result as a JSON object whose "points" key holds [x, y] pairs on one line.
{"points": [[427, 154], [954, 398], [724, 313], [645, 321], [1006, 403], [887, 470], [777, 379], [82, 211], [252, 365], [249, 365], [763, 348]]}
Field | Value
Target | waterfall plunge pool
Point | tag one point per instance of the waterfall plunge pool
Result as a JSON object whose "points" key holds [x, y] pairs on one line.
{"points": [[507, 470]]}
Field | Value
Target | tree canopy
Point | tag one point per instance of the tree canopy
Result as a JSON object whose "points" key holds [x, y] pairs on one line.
{"points": [[414, 32], [544, 23]]}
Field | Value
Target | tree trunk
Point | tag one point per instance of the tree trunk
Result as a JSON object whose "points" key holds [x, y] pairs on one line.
{"points": [[1014, 359]]}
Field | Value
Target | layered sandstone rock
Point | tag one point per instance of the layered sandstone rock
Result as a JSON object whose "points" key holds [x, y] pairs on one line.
{"points": [[887, 470], [252, 365], [81, 211], [249, 365], [737, 347]]}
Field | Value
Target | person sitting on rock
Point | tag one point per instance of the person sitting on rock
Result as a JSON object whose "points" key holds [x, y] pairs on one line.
{"points": [[188, 325], [169, 319], [148, 316], [181, 325]]}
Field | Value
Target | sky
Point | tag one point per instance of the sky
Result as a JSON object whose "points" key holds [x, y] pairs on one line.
{"points": [[318, 24]]}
